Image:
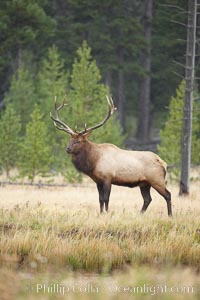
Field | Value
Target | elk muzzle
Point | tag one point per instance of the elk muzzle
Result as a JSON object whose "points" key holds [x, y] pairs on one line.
{"points": [[68, 150]]}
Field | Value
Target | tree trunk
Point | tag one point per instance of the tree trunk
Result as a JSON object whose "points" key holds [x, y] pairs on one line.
{"points": [[143, 128], [121, 99], [187, 113]]}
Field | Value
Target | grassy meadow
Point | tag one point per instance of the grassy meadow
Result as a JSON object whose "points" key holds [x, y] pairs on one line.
{"points": [[56, 245]]}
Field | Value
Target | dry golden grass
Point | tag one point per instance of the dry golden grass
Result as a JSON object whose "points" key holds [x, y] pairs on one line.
{"points": [[53, 230]]}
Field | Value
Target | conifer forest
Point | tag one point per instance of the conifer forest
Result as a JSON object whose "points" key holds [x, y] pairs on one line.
{"points": [[133, 50], [121, 80]]}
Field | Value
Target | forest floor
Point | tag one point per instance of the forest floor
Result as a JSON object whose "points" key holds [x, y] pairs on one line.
{"points": [[56, 245]]}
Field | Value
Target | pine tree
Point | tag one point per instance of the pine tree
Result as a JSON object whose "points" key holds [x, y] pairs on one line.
{"points": [[87, 99], [35, 153], [52, 81], [22, 94], [9, 139], [196, 132], [170, 147]]}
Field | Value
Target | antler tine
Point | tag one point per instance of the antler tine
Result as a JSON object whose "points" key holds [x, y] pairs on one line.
{"points": [[62, 105], [111, 110], [111, 104], [57, 122]]}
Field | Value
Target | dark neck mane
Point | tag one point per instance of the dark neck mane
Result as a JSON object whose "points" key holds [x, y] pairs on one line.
{"points": [[85, 160]]}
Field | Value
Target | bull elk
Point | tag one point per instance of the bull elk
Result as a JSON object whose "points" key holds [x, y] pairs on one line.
{"points": [[106, 164]]}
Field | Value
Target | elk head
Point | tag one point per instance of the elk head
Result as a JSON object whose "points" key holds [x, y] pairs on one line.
{"points": [[78, 138]]}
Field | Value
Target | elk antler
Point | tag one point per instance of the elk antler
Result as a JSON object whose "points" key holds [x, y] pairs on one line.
{"points": [[62, 126], [111, 110], [57, 122]]}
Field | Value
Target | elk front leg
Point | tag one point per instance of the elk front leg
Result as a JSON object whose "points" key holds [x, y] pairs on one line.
{"points": [[104, 195]]}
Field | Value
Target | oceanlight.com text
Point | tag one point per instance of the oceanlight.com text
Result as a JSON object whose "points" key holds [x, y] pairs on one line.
{"points": [[151, 289]]}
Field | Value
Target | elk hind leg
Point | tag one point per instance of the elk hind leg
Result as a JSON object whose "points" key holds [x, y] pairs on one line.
{"points": [[145, 191], [166, 195], [168, 200]]}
